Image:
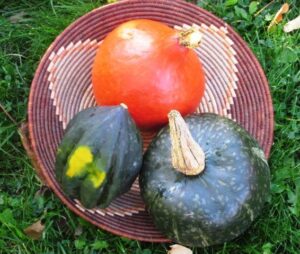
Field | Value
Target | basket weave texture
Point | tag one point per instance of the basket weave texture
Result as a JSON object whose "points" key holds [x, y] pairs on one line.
{"points": [[236, 88]]}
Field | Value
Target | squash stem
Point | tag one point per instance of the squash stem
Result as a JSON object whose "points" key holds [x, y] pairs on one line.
{"points": [[187, 156], [190, 37], [124, 105]]}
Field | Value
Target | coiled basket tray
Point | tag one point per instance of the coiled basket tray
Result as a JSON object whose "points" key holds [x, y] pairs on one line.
{"points": [[236, 88]]}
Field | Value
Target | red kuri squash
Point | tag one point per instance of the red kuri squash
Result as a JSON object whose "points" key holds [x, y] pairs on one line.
{"points": [[150, 67]]}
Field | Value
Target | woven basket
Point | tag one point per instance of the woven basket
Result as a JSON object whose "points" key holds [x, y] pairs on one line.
{"points": [[236, 88]]}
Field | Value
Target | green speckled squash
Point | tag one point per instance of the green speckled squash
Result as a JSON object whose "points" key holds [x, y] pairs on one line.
{"points": [[100, 155], [204, 179]]}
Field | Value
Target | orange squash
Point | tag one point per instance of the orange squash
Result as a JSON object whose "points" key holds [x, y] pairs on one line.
{"points": [[151, 68]]}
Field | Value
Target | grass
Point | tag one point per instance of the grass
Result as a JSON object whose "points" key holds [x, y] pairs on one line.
{"points": [[27, 27]]}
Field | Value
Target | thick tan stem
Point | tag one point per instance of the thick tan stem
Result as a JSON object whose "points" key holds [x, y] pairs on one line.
{"points": [[187, 156], [124, 105], [190, 37]]}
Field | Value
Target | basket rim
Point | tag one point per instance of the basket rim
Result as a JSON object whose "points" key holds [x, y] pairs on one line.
{"points": [[43, 171]]}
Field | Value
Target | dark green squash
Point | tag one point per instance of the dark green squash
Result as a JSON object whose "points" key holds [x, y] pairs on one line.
{"points": [[205, 181], [100, 155]]}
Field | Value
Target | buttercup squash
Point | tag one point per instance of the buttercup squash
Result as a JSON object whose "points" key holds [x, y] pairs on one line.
{"points": [[204, 179]]}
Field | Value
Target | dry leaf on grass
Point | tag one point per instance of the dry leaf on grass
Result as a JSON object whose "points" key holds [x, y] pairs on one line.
{"points": [[78, 230], [278, 17], [35, 230], [292, 25], [41, 192], [18, 17], [179, 249]]}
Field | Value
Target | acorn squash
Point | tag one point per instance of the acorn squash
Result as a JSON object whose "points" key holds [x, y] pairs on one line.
{"points": [[100, 155], [204, 180]]}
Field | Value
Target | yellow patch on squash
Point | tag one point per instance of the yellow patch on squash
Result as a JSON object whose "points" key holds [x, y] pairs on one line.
{"points": [[79, 160], [97, 177]]}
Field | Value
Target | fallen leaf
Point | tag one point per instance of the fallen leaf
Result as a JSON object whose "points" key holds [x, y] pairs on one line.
{"points": [[41, 192], [78, 230], [278, 17], [292, 25], [16, 18], [35, 230], [179, 249]]}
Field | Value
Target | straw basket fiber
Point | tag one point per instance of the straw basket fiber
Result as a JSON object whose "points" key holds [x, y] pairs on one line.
{"points": [[236, 88]]}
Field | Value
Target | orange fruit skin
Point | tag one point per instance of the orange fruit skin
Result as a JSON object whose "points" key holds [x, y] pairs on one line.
{"points": [[141, 64]]}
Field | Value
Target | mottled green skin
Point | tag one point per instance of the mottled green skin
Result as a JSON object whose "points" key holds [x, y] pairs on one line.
{"points": [[116, 144], [220, 203]]}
